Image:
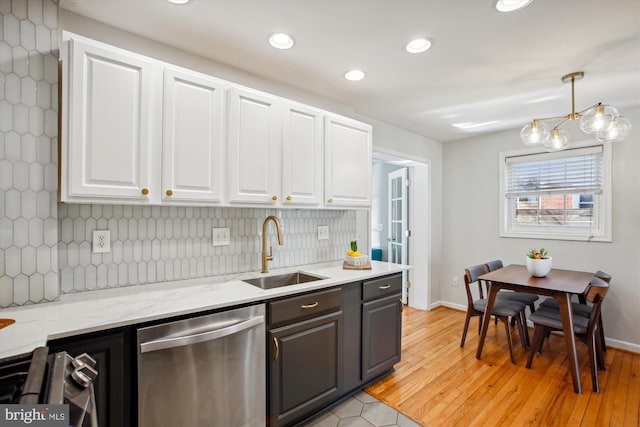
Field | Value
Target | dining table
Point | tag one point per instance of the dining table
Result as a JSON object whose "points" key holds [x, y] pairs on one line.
{"points": [[559, 284]]}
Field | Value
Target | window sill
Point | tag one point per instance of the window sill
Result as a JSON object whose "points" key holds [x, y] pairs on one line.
{"points": [[555, 236]]}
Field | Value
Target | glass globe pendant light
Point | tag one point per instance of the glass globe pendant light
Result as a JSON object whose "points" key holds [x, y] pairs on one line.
{"points": [[535, 133], [617, 131], [559, 140], [599, 119]]}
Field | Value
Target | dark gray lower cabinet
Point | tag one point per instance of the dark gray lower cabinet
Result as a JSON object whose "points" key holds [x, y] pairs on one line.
{"points": [[112, 388], [305, 356], [381, 333], [381, 325], [327, 344]]}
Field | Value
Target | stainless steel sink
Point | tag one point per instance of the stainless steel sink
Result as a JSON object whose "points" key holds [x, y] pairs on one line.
{"points": [[270, 282]]}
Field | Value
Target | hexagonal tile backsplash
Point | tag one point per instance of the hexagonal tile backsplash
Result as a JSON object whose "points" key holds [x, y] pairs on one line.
{"points": [[28, 151], [45, 247], [156, 244]]}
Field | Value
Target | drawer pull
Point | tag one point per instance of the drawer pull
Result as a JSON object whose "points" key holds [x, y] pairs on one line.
{"points": [[314, 305], [275, 341], [383, 287]]}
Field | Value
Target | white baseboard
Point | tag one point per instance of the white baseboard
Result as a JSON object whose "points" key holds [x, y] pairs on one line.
{"points": [[622, 345], [613, 343]]}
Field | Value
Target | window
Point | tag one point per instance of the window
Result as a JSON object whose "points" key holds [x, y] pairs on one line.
{"points": [[560, 195]]}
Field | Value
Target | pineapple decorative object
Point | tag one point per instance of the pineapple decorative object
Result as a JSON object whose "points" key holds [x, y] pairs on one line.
{"points": [[354, 258]]}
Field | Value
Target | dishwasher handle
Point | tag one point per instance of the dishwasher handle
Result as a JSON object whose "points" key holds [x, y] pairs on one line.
{"points": [[166, 343]]}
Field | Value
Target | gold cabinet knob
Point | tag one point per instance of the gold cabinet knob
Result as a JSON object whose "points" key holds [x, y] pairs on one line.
{"points": [[289, 198], [169, 193], [330, 201], [144, 191], [274, 198]]}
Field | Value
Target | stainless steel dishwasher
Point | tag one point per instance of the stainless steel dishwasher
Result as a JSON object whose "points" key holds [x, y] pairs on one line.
{"points": [[204, 371]]}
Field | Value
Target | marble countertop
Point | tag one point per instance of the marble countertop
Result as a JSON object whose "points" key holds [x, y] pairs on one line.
{"points": [[92, 311]]}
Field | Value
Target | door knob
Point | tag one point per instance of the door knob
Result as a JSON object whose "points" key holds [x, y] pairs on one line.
{"points": [[169, 193], [144, 191]]}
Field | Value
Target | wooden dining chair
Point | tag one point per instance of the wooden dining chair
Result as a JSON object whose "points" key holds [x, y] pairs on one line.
{"points": [[503, 310], [547, 319], [528, 299], [581, 308]]}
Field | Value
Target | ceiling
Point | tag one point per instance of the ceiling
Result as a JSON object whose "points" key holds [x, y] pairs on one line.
{"points": [[486, 71]]}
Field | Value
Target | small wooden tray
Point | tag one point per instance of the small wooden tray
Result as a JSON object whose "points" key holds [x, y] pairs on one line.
{"points": [[347, 266]]}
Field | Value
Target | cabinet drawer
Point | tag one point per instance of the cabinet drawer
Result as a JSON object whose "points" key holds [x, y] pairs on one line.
{"points": [[382, 287], [305, 306]]}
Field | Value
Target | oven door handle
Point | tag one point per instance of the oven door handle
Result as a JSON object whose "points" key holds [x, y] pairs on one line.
{"points": [[211, 335]]}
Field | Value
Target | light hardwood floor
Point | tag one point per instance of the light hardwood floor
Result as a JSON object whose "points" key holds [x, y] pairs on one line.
{"points": [[437, 383]]}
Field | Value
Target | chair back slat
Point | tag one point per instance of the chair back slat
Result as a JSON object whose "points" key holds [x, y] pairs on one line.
{"points": [[494, 265], [598, 288], [471, 275], [602, 275]]}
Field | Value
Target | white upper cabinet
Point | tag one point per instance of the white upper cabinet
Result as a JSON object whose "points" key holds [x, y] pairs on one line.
{"points": [[275, 151], [110, 122], [254, 147], [348, 151], [302, 156], [136, 130], [193, 137]]}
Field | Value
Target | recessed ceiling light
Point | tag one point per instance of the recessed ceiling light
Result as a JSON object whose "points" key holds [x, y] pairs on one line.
{"points": [[281, 41], [179, 1], [418, 45], [354, 75], [511, 5]]}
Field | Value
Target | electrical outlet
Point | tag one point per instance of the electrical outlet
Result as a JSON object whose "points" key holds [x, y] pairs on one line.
{"points": [[454, 282], [101, 241], [221, 236], [323, 232]]}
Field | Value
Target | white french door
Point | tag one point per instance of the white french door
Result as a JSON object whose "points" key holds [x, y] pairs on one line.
{"points": [[397, 247]]}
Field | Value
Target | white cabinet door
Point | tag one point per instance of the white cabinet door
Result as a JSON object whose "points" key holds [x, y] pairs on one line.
{"points": [[112, 120], [302, 156], [193, 137], [348, 148], [254, 144]]}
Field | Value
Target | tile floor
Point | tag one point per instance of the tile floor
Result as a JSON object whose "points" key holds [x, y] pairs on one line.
{"points": [[362, 410]]}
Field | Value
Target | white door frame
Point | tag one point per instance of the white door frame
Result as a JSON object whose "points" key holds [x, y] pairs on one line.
{"points": [[420, 226]]}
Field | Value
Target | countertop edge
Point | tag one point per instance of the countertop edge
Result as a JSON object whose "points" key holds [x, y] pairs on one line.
{"points": [[101, 310]]}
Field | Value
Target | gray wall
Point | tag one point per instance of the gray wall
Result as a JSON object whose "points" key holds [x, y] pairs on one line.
{"points": [[471, 220]]}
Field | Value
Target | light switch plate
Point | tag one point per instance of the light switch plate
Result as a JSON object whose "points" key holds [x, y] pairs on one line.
{"points": [[221, 236], [101, 241], [323, 232]]}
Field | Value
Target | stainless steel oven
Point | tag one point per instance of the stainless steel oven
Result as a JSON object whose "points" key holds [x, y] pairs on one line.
{"points": [[56, 378], [204, 371]]}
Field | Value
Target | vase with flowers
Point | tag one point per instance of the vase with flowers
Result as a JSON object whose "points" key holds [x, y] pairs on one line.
{"points": [[538, 262]]}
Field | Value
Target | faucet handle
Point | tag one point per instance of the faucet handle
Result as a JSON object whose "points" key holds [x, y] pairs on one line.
{"points": [[270, 253]]}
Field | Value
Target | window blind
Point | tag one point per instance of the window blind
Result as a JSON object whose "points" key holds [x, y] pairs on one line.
{"points": [[574, 171]]}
